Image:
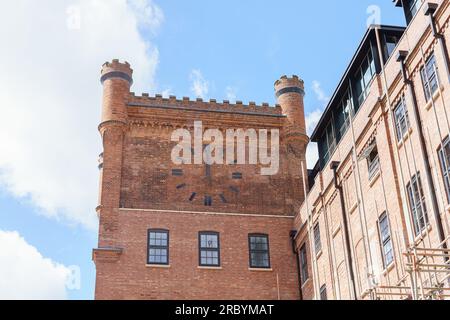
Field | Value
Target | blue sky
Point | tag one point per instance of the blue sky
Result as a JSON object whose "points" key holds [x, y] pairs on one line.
{"points": [[51, 99]]}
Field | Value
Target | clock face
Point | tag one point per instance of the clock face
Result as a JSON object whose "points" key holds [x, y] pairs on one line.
{"points": [[207, 185], [213, 186]]}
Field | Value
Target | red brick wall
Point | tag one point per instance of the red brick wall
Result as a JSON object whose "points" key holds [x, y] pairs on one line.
{"points": [[130, 278]]}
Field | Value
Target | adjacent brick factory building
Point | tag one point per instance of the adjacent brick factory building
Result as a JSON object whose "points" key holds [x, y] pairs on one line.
{"points": [[370, 221]]}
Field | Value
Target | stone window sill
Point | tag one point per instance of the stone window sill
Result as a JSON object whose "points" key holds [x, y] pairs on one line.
{"points": [[423, 234], [319, 254], [374, 179], [209, 268], [306, 282], [388, 269], [405, 138], [260, 270], [436, 95], [353, 207], [158, 266]]}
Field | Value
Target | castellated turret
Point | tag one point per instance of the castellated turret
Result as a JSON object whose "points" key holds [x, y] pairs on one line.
{"points": [[290, 93], [117, 79]]}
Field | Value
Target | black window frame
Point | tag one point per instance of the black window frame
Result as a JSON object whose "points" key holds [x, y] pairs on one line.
{"points": [[385, 239], [237, 175], [317, 240], [149, 246], [390, 44], [250, 250], [444, 160], [206, 249], [208, 201], [362, 82], [303, 257], [323, 292], [419, 226], [411, 7], [343, 115], [328, 143], [177, 172], [430, 77], [402, 124]]}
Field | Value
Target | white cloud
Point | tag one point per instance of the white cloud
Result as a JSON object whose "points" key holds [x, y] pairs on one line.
{"points": [[50, 97], [320, 94], [231, 93], [26, 274], [312, 119], [149, 16], [199, 85]]}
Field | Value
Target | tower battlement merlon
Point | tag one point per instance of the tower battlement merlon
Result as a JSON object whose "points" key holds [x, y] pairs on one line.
{"points": [[117, 69], [289, 85], [158, 101]]}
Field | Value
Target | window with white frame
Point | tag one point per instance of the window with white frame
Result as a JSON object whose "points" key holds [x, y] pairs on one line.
{"points": [[444, 159], [429, 78], [401, 119], [317, 242], [373, 162], [417, 204], [385, 240]]}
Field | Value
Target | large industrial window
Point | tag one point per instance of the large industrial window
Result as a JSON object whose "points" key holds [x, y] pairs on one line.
{"points": [[317, 242], [373, 162], [259, 251], [209, 249], [390, 45], [401, 120], [444, 157], [342, 116], [385, 240], [411, 8], [327, 143], [429, 77], [303, 264], [158, 247], [323, 292], [364, 77], [417, 204]]}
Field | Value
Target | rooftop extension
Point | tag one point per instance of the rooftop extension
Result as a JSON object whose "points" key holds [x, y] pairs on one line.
{"points": [[354, 86]]}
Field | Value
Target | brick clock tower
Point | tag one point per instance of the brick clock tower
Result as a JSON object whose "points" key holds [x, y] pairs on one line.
{"points": [[195, 231]]}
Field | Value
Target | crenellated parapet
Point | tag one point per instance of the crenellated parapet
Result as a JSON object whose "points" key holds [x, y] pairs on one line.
{"points": [[212, 105]]}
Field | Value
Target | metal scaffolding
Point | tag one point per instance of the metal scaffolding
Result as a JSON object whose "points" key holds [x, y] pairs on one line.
{"points": [[428, 275]]}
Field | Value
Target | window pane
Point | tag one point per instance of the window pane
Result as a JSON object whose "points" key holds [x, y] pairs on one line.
{"points": [[158, 247], [444, 160], [209, 256], [259, 252], [317, 243], [417, 202], [429, 77], [323, 293], [303, 264]]}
